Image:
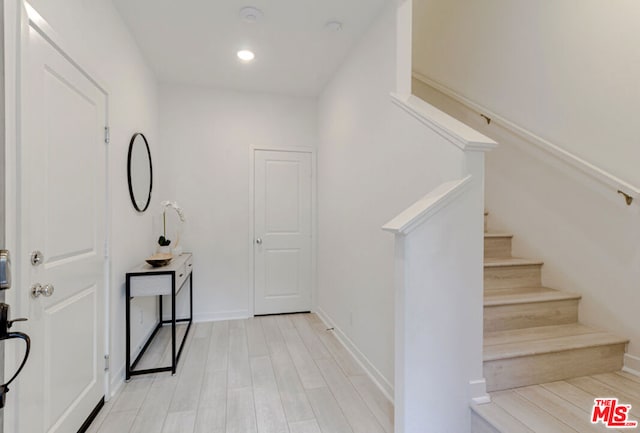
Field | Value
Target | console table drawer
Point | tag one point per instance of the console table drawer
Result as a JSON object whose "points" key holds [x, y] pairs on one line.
{"points": [[150, 285]]}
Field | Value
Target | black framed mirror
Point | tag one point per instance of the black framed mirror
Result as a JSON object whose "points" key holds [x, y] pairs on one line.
{"points": [[140, 172]]}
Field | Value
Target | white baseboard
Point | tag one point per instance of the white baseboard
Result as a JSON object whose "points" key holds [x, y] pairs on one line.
{"points": [[381, 382], [217, 316], [221, 315], [631, 364]]}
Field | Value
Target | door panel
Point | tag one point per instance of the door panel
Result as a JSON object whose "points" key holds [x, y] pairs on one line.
{"points": [[63, 203], [282, 216], [68, 382]]}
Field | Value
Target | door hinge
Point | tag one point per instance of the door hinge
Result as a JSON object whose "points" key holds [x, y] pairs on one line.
{"points": [[106, 362], [107, 137]]}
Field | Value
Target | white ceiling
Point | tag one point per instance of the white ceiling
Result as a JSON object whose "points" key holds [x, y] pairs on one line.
{"points": [[195, 41]]}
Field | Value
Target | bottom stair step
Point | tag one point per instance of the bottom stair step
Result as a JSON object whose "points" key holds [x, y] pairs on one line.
{"points": [[562, 406], [531, 356]]}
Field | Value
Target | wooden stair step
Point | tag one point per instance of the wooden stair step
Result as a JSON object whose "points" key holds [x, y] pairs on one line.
{"points": [[528, 307], [511, 272], [497, 245], [510, 296], [531, 356], [491, 418], [507, 262]]}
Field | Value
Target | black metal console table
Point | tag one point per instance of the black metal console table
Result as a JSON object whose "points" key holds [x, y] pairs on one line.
{"points": [[162, 281]]}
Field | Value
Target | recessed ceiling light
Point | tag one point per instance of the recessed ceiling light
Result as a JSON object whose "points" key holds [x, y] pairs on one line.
{"points": [[250, 14], [334, 26], [246, 55]]}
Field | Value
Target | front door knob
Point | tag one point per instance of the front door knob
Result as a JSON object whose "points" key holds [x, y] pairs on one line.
{"points": [[259, 241], [38, 289]]}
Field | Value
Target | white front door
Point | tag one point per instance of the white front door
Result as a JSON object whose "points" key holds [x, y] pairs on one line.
{"points": [[282, 243], [62, 202]]}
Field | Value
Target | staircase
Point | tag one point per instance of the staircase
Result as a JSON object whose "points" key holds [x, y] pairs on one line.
{"points": [[531, 332]]}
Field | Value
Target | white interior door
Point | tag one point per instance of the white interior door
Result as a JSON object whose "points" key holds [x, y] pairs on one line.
{"points": [[62, 199], [282, 219]]}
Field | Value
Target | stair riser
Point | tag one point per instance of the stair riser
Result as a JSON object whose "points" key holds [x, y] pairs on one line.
{"points": [[549, 367], [503, 277], [530, 315], [497, 247]]}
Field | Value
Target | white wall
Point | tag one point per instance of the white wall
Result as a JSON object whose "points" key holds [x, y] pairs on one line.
{"points": [[587, 236], [373, 161], [566, 70], [206, 137], [94, 32]]}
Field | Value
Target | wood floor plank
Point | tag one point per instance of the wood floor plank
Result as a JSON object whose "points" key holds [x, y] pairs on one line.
{"points": [[356, 411], [220, 388], [375, 400], [241, 414], [148, 424], [620, 383], [529, 414], [629, 376], [217, 359], [294, 399], [255, 338], [118, 422], [132, 396], [213, 393], [238, 367], [328, 414], [270, 417], [316, 348], [211, 419], [159, 398], [344, 359], [187, 392], [600, 389], [561, 409], [571, 393], [202, 329], [310, 426], [180, 422], [307, 369], [212, 408]]}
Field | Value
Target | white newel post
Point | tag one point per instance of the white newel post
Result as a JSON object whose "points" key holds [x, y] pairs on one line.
{"points": [[439, 249]]}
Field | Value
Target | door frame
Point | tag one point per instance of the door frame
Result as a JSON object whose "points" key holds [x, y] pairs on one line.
{"points": [[314, 218], [19, 15]]}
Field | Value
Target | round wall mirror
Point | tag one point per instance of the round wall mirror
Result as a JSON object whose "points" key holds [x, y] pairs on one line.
{"points": [[140, 172]]}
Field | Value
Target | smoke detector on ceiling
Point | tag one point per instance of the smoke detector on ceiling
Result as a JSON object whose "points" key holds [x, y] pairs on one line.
{"points": [[333, 26], [250, 14]]}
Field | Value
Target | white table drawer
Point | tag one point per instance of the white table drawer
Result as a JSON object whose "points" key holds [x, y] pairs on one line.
{"points": [[150, 285]]}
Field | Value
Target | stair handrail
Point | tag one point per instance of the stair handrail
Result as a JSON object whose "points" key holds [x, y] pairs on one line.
{"points": [[628, 191]]}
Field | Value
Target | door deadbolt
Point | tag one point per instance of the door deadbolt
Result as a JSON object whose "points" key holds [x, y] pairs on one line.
{"points": [[38, 289], [36, 257]]}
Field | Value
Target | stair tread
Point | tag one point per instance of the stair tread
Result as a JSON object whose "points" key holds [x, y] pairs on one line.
{"points": [[545, 339], [498, 235], [509, 261], [523, 295], [499, 418]]}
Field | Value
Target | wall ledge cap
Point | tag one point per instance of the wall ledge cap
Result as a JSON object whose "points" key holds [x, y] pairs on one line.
{"points": [[454, 131]]}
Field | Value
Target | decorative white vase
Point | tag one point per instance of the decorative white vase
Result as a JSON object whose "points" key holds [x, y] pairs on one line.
{"points": [[164, 250]]}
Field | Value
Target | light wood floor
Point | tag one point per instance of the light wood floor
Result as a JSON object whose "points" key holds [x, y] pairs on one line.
{"points": [[276, 374], [563, 406]]}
